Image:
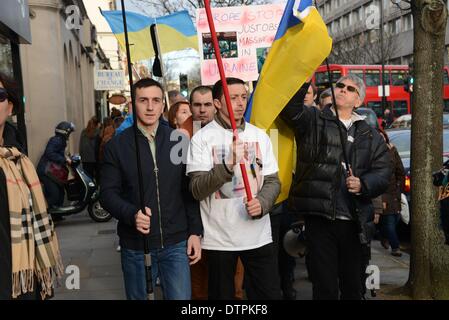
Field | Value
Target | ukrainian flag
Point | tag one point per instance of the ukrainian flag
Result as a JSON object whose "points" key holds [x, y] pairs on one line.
{"points": [[300, 46], [175, 31]]}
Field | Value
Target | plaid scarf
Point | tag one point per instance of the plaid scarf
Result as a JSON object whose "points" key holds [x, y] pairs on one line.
{"points": [[34, 245]]}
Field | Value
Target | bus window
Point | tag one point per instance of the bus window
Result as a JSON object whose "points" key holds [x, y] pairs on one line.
{"points": [[398, 77], [322, 78], [386, 77], [356, 72], [400, 108], [376, 106], [445, 77], [446, 105], [372, 78]]}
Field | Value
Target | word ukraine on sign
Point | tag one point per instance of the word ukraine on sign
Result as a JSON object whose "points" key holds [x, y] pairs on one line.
{"points": [[245, 35]]}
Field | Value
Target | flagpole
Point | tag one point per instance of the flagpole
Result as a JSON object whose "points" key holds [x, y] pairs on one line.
{"points": [[210, 20], [158, 56], [146, 245]]}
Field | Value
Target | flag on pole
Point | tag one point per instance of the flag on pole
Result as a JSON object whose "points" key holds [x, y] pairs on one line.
{"points": [[176, 32], [301, 44]]}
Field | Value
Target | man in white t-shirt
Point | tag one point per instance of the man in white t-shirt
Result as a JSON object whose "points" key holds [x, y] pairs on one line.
{"points": [[234, 227]]}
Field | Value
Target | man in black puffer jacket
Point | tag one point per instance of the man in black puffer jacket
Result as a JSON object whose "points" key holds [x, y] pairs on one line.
{"points": [[336, 206]]}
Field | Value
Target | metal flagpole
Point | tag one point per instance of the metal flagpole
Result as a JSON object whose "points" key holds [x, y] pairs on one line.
{"points": [[210, 20], [147, 260]]}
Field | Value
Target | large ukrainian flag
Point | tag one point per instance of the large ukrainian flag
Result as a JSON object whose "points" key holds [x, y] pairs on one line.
{"points": [[176, 32], [300, 46]]}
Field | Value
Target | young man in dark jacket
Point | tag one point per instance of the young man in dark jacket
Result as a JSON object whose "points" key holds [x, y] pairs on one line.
{"points": [[172, 220], [337, 206]]}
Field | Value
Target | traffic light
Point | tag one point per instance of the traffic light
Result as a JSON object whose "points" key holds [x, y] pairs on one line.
{"points": [[183, 85], [409, 84]]}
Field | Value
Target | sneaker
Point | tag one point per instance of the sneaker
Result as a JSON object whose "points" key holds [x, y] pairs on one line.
{"points": [[396, 252], [385, 244]]}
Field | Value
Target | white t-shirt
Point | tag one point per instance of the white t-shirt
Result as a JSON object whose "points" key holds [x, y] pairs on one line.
{"points": [[227, 225]]}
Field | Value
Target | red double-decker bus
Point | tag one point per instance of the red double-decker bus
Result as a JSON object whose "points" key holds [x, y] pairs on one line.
{"points": [[395, 76]]}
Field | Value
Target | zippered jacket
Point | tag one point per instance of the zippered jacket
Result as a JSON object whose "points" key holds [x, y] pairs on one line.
{"points": [[179, 215]]}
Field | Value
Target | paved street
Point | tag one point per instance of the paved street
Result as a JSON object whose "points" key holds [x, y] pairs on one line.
{"points": [[92, 247]]}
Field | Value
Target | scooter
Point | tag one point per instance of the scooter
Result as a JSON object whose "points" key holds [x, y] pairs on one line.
{"points": [[83, 192]]}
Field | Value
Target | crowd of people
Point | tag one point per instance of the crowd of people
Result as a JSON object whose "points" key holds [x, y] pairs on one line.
{"points": [[207, 239]]}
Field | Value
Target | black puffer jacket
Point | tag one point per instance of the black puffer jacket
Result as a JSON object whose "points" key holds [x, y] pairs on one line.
{"points": [[319, 167]]}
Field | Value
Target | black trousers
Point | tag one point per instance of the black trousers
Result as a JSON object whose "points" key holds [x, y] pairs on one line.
{"points": [[261, 273], [335, 257]]}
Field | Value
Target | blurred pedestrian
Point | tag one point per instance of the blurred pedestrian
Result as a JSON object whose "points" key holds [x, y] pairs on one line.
{"points": [[87, 147], [391, 201]]}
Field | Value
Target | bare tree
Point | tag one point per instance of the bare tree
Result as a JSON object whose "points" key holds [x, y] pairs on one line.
{"points": [[359, 50], [163, 7], [429, 262]]}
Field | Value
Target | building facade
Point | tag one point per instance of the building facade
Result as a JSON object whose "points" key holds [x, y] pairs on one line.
{"points": [[355, 23], [58, 71]]}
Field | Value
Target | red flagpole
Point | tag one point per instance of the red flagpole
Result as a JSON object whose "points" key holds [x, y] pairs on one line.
{"points": [[210, 20]]}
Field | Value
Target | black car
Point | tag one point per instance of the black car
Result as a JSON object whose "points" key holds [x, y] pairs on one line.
{"points": [[401, 138], [370, 115]]}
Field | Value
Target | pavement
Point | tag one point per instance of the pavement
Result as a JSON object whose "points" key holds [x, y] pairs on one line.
{"points": [[91, 247]]}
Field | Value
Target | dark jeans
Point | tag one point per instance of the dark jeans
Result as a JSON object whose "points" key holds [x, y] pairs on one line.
{"points": [[170, 264], [335, 256], [54, 193], [388, 227], [261, 273]]}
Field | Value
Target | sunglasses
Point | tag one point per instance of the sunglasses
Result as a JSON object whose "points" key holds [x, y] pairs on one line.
{"points": [[341, 85], [3, 94]]}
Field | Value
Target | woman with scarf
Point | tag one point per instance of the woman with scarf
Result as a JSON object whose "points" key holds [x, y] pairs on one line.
{"points": [[29, 255]]}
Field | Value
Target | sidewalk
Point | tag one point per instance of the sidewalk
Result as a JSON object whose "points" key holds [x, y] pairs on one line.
{"points": [[92, 247]]}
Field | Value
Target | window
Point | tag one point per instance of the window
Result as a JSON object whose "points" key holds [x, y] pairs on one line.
{"points": [[356, 72], [446, 105], [322, 78], [398, 77], [398, 25], [5, 56], [408, 22], [346, 19], [373, 36], [445, 77], [376, 106], [392, 27], [400, 108], [386, 77], [372, 78], [355, 15], [327, 7]]}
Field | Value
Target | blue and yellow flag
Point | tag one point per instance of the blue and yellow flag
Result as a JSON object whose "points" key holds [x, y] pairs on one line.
{"points": [[176, 32], [300, 46]]}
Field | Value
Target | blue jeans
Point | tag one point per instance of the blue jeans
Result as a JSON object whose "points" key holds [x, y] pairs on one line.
{"points": [[170, 265], [389, 223]]}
